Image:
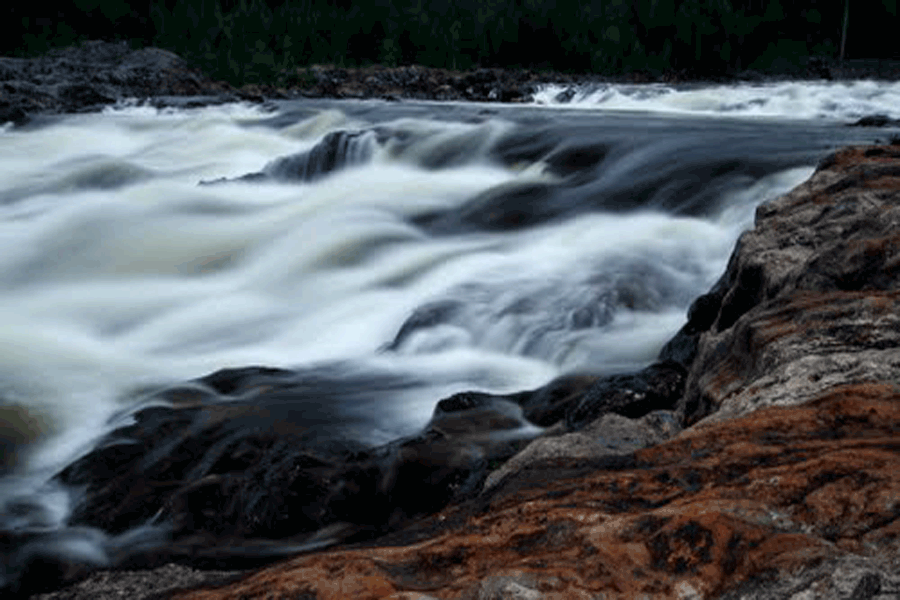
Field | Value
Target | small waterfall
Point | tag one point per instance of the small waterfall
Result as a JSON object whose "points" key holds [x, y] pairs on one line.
{"points": [[337, 150]]}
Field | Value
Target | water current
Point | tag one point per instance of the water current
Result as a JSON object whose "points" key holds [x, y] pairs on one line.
{"points": [[400, 251]]}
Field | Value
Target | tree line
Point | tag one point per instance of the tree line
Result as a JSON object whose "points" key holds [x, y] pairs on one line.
{"points": [[243, 41]]}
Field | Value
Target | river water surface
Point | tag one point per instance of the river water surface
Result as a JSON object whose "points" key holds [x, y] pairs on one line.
{"points": [[432, 248]]}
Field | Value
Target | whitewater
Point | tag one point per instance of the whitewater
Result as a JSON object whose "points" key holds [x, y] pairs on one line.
{"points": [[441, 247]]}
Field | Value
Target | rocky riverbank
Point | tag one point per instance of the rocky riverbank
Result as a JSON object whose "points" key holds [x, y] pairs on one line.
{"points": [[785, 480], [757, 459], [97, 73], [785, 483]]}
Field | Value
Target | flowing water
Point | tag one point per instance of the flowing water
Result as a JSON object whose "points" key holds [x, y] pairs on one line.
{"points": [[399, 252]]}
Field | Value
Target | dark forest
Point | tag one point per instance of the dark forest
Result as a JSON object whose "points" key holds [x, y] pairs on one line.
{"points": [[247, 41]]}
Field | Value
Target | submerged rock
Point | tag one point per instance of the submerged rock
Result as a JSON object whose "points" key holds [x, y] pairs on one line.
{"points": [[879, 120], [337, 150]]}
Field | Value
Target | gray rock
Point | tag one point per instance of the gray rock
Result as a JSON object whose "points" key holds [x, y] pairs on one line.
{"points": [[849, 577], [609, 435], [504, 587], [139, 585]]}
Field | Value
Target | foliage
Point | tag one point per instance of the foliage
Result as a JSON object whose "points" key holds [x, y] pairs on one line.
{"points": [[244, 41]]}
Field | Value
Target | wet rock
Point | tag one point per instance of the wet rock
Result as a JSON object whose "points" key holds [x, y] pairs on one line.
{"points": [[658, 387], [425, 317], [337, 150], [506, 207], [879, 120], [273, 462], [549, 404], [243, 465], [565, 95]]}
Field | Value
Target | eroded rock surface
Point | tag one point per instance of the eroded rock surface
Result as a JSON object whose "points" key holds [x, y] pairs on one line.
{"points": [[811, 296], [786, 484]]}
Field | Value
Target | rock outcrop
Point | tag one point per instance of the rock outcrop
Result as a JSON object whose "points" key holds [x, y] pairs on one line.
{"points": [[98, 73], [785, 483]]}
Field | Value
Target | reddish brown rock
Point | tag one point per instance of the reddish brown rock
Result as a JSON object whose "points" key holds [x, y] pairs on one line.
{"points": [[718, 506], [787, 485], [810, 298]]}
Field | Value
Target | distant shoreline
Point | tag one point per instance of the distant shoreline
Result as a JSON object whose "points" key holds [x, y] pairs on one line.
{"points": [[416, 82], [89, 76]]}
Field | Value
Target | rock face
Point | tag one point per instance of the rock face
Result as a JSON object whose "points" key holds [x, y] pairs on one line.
{"points": [[785, 483], [810, 298]]}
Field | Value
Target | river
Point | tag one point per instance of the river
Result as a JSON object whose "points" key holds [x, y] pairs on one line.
{"points": [[434, 248]]}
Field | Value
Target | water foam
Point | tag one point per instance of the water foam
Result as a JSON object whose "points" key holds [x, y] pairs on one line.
{"points": [[786, 100]]}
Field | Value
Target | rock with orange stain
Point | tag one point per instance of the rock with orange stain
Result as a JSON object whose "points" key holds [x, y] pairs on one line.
{"points": [[811, 295], [785, 484]]}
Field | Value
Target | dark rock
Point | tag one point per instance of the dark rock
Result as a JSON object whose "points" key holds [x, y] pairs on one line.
{"points": [[93, 74], [876, 121], [424, 317], [572, 160], [501, 208], [549, 404], [658, 387], [242, 465], [337, 150], [565, 95], [703, 312]]}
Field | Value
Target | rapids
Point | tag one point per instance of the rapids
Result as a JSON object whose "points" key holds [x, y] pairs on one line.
{"points": [[404, 251]]}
